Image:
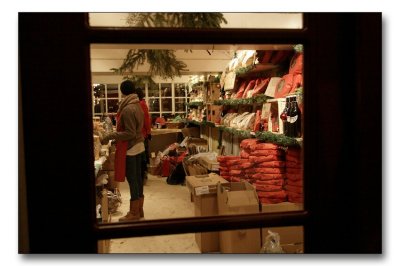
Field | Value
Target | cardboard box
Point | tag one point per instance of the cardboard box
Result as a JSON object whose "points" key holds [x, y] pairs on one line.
{"points": [[290, 236], [203, 188], [238, 198]]}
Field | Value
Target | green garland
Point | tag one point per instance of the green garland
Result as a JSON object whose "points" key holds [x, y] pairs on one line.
{"points": [[265, 136], [244, 70], [258, 99]]}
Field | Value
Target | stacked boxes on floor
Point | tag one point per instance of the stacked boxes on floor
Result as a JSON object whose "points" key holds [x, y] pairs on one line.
{"points": [[238, 198], [204, 191], [294, 175]]}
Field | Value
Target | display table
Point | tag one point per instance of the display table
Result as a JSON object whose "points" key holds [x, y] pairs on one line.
{"points": [[162, 138]]}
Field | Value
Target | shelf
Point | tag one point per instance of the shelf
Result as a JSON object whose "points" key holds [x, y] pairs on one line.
{"points": [[252, 69], [258, 99]]}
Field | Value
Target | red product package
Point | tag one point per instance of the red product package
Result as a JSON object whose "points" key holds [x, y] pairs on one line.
{"points": [[264, 146], [292, 164], [268, 188], [284, 87], [276, 182], [246, 143], [297, 183], [266, 176], [266, 152], [261, 159], [272, 164], [261, 86], [244, 154], [295, 189], [241, 90], [270, 170], [294, 177], [249, 87], [227, 158], [257, 122], [296, 64], [296, 171]]}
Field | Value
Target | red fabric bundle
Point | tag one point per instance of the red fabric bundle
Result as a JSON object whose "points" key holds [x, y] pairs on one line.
{"points": [[292, 164], [294, 177], [276, 182], [295, 189], [296, 152], [264, 146], [298, 183], [236, 172], [257, 122], [296, 171], [284, 87], [249, 87], [261, 86], [235, 179], [281, 194], [268, 188], [293, 159], [244, 165], [245, 144], [266, 176], [227, 158], [235, 162], [266, 152], [295, 197], [241, 90], [271, 201], [223, 173], [244, 154], [272, 164], [223, 168], [261, 159], [271, 170]]}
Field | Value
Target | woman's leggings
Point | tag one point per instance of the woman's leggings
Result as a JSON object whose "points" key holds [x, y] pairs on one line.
{"points": [[134, 175]]}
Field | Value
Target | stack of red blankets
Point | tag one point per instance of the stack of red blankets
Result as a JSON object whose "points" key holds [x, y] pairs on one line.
{"points": [[229, 168], [267, 171], [294, 175]]}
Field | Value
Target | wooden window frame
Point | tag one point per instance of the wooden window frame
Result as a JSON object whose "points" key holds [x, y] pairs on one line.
{"points": [[336, 46]]}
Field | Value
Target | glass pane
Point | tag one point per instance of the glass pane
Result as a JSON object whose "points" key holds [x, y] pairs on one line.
{"points": [[112, 105], [180, 89], [154, 91], [154, 105], [166, 89], [193, 20], [112, 90], [166, 105], [180, 105], [100, 106]]}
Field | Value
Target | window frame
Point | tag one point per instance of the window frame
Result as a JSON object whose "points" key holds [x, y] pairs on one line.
{"points": [[198, 36]]}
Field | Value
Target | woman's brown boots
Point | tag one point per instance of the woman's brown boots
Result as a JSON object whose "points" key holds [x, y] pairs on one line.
{"points": [[134, 212]]}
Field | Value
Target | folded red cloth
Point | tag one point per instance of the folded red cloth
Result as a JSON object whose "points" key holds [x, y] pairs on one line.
{"points": [[292, 164], [266, 152], [276, 182], [268, 187], [266, 176], [271, 164], [297, 171], [295, 189], [291, 158], [264, 146], [244, 154], [245, 144], [223, 168], [281, 194], [268, 158], [234, 162], [298, 183], [236, 172], [294, 177]]}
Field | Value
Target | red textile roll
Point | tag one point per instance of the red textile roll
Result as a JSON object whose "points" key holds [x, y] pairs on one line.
{"points": [[241, 90], [270, 170], [236, 179], [294, 177], [233, 162], [244, 154], [295, 189], [292, 164], [264, 177], [245, 144], [236, 172], [281, 194], [297, 183], [264, 146], [268, 158], [266, 152], [272, 164], [276, 182], [268, 188], [296, 171], [223, 168]]}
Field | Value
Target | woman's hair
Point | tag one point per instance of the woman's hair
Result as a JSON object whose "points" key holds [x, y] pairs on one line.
{"points": [[139, 92]]}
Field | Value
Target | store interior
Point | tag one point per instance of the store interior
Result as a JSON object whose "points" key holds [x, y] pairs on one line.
{"points": [[231, 121]]}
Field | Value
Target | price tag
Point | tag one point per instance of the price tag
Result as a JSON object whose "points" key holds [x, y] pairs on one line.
{"points": [[202, 190]]}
